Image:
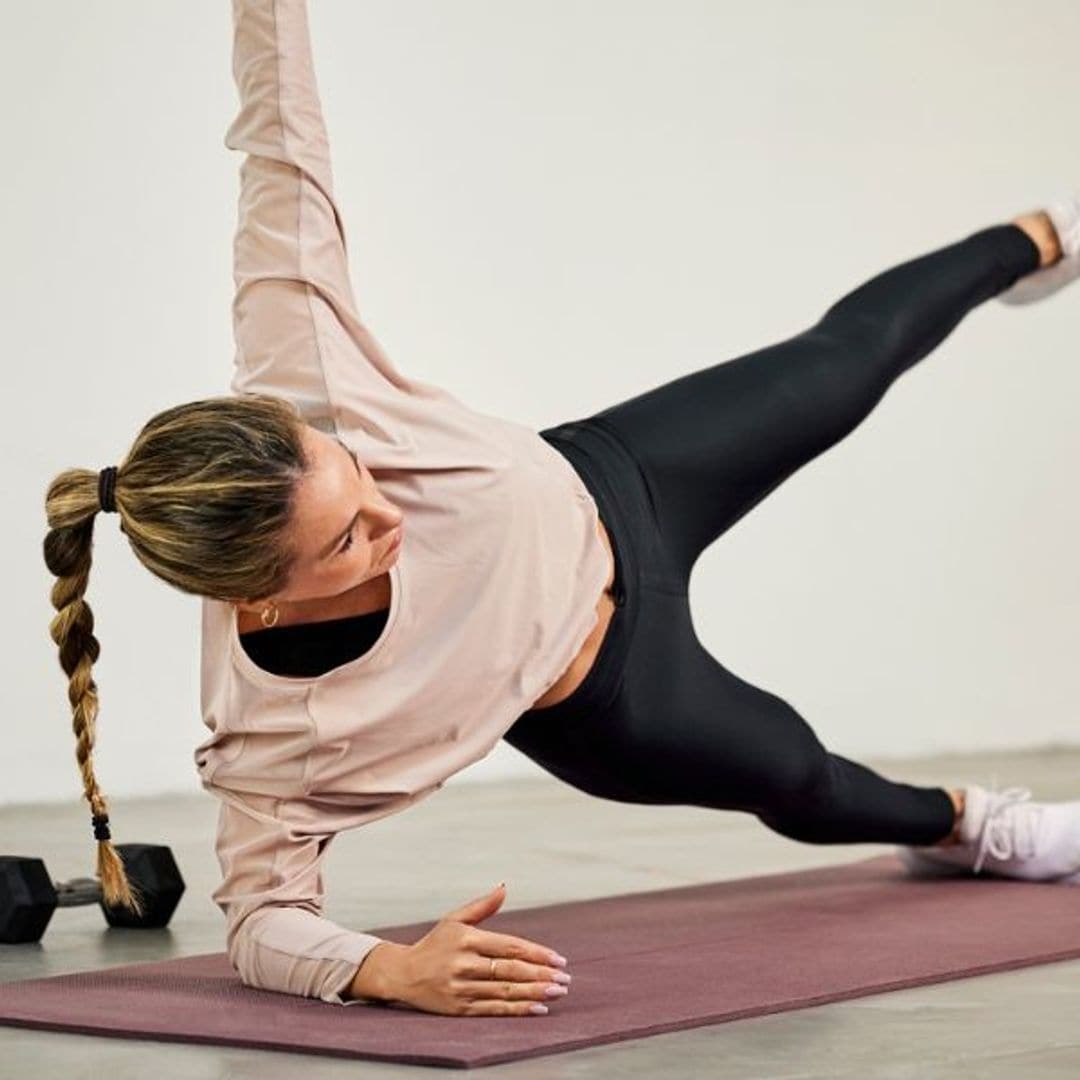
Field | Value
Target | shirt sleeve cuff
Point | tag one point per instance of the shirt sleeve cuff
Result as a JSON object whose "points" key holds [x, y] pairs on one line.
{"points": [[338, 984]]}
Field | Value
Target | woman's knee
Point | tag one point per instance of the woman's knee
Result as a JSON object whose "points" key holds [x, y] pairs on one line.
{"points": [[801, 782]]}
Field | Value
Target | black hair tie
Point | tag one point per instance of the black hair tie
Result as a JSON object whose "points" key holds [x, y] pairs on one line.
{"points": [[107, 488], [101, 826]]}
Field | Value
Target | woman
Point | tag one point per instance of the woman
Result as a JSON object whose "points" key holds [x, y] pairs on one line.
{"points": [[391, 581]]}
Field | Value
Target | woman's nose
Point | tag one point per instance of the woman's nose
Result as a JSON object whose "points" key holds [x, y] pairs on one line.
{"points": [[390, 515]]}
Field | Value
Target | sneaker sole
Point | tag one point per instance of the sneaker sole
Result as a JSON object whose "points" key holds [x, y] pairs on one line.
{"points": [[926, 866], [1041, 283]]}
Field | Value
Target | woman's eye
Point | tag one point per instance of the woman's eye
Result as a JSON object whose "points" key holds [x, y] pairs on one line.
{"points": [[348, 544]]}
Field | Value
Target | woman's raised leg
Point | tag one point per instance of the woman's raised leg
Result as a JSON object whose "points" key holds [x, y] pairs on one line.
{"points": [[714, 443]]}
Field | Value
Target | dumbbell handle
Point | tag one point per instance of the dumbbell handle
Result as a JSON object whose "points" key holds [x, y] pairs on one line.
{"points": [[77, 891]]}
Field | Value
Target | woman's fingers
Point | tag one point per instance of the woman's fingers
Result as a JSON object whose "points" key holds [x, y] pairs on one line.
{"points": [[502, 997], [528, 977], [520, 971], [503, 1008], [492, 943], [507, 990], [518, 988]]}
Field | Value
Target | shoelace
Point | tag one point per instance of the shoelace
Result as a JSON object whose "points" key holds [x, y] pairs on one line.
{"points": [[998, 832]]}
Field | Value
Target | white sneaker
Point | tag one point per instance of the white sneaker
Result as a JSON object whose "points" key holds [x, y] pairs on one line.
{"points": [[1008, 836], [1064, 213]]}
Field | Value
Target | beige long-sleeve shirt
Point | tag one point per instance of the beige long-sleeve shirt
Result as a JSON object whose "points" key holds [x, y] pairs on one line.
{"points": [[493, 592]]}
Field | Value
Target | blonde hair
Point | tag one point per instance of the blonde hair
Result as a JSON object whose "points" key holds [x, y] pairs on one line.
{"points": [[204, 496]]}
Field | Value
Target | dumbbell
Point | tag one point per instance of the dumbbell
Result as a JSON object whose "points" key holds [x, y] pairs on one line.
{"points": [[28, 897]]}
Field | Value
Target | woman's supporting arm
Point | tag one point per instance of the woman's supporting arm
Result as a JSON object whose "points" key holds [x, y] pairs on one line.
{"points": [[272, 896]]}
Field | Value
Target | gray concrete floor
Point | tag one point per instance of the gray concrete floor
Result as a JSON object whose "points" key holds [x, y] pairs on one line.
{"points": [[550, 842]]}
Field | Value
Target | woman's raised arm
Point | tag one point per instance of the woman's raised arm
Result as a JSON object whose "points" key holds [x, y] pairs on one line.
{"points": [[297, 331]]}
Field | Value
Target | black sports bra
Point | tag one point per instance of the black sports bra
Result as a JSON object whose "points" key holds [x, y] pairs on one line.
{"points": [[313, 648]]}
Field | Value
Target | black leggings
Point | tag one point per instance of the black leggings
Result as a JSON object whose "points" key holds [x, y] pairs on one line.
{"points": [[657, 718]]}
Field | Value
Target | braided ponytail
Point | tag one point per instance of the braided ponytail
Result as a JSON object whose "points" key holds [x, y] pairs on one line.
{"points": [[205, 497], [71, 505]]}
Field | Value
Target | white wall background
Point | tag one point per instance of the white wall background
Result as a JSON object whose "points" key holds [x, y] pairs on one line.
{"points": [[551, 207]]}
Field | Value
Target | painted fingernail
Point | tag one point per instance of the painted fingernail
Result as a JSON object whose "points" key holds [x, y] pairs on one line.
{"points": [[557, 959], [562, 976], [538, 1008], [555, 991]]}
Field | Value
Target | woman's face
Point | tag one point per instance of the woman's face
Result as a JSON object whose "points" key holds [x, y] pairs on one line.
{"points": [[343, 528]]}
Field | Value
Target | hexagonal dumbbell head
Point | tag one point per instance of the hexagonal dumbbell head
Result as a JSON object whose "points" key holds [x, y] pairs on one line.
{"points": [[153, 871], [27, 899]]}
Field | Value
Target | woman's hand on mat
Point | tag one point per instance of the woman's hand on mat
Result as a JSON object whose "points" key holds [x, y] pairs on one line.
{"points": [[449, 969]]}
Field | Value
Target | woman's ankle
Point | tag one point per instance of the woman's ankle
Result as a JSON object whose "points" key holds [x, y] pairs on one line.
{"points": [[1042, 232], [958, 801]]}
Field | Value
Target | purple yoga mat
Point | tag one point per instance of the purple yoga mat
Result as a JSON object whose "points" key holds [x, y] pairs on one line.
{"points": [[643, 963]]}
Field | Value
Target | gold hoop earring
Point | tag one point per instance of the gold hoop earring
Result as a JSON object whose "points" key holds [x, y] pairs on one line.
{"points": [[266, 611]]}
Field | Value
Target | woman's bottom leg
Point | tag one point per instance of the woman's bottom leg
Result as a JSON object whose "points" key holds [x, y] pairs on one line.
{"points": [[724, 742], [714, 443], [683, 729]]}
